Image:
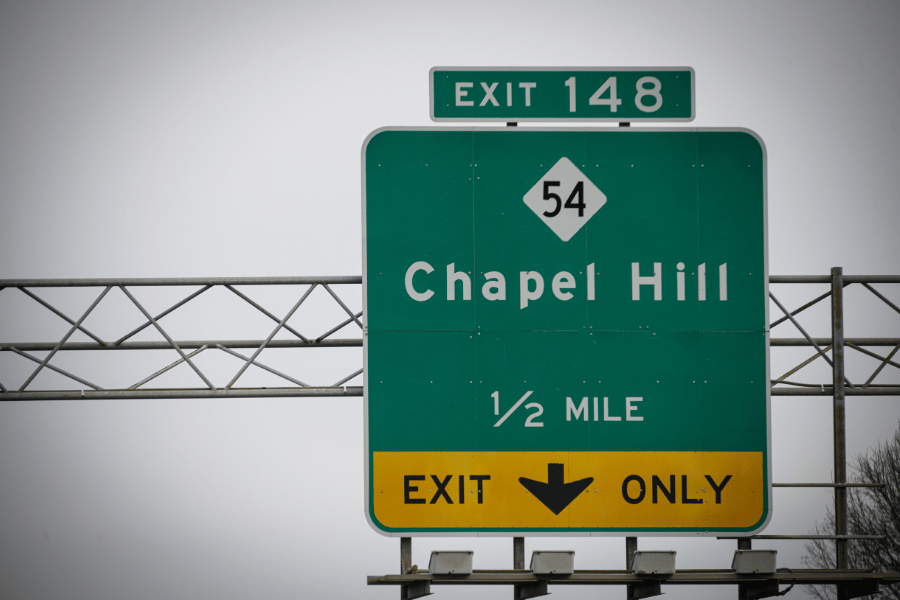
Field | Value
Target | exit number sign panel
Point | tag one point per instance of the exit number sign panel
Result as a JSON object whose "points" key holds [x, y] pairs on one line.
{"points": [[562, 94], [632, 339]]}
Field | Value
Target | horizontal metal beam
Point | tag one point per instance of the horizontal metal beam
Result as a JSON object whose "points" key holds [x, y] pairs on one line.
{"points": [[333, 391], [828, 485], [865, 341], [829, 391], [338, 279], [681, 577], [166, 394], [169, 281], [329, 343], [33, 346], [799, 536], [827, 278]]}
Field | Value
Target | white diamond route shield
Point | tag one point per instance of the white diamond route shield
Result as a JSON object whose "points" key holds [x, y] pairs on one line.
{"points": [[565, 199]]}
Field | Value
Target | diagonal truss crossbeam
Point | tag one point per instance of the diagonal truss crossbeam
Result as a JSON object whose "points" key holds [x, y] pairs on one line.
{"points": [[54, 368], [881, 297], [344, 306], [806, 335], [59, 313], [337, 328], [166, 335], [857, 344], [169, 310], [265, 312], [262, 346], [261, 366], [809, 304], [75, 326], [169, 367], [801, 365]]}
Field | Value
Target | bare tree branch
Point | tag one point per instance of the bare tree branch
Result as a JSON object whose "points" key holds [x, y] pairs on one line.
{"points": [[870, 511]]}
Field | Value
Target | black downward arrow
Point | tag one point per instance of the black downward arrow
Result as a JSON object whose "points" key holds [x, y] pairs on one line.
{"points": [[555, 494]]}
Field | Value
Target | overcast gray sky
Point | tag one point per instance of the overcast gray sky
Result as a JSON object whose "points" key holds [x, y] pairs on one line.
{"points": [[173, 139]]}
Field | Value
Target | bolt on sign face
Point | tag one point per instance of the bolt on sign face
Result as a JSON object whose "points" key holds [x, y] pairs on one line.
{"points": [[566, 332]]}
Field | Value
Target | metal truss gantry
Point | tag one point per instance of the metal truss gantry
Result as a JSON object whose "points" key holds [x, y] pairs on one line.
{"points": [[186, 349], [414, 583], [283, 335]]}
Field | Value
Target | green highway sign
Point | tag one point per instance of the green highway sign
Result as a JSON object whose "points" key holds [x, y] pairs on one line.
{"points": [[562, 94], [566, 331]]}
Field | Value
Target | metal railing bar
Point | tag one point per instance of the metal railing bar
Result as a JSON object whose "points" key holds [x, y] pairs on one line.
{"points": [[798, 384], [59, 313], [823, 390], [344, 306], [858, 341], [885, 300], [885, 360], [827, 278], [153, 345], [271, 335], [799, 278], [809, 536], [183, 393], [347, 378], [267, 313], [164, 369], [680, 577], [65, 337], [818, 385], [882, 365], [804, 307], [162, 314], [337, 328], [166, 335], [264, 367], [157, 345], [806, 335], [57, 369], [829, 485], [336, 279], [173, 281], [800, 366]]}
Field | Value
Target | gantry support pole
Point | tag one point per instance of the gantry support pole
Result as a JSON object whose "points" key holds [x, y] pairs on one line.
{"points": [[840, 430]]}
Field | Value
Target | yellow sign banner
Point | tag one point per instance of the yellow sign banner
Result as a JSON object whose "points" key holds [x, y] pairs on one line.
{"points": [[568, 490]]}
